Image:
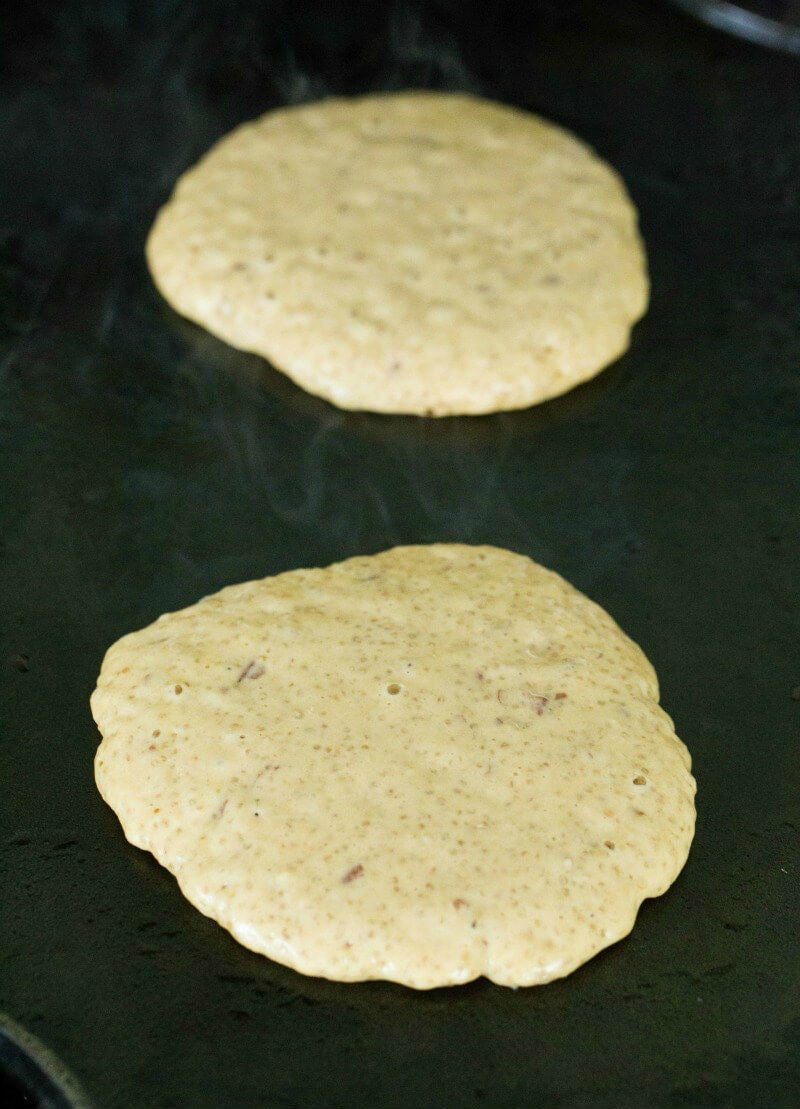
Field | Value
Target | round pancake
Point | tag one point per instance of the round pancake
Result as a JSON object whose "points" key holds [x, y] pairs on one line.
{"points": [[426, 765], [423, 253]]}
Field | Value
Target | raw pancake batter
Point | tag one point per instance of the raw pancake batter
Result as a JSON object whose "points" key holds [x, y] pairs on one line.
{"points": [[426, 765], [424, 252]]}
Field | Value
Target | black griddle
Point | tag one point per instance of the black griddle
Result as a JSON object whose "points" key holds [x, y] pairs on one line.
{"points": [[146, 464]]}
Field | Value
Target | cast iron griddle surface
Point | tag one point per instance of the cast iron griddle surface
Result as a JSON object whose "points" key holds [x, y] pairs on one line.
{"points": [[146, 464]]}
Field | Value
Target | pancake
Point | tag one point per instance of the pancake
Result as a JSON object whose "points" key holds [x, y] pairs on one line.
{"points": [[427, 253], [426, 765]]}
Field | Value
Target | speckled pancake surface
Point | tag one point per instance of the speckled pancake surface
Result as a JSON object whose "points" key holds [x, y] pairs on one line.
{"points": [[425, 253], [426, 765]]}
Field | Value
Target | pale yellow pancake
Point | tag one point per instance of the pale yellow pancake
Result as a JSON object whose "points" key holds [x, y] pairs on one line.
{"points": [[426, 765], [423, 252]]}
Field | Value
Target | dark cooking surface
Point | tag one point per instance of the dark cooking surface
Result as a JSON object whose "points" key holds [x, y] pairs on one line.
{"points": [[146, 464]]}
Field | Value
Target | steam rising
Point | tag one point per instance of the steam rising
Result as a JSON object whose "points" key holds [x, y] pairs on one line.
{"points": [[423, 57]]}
